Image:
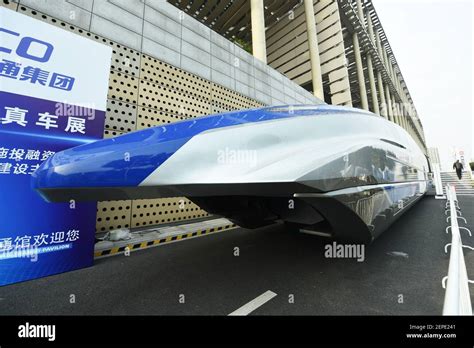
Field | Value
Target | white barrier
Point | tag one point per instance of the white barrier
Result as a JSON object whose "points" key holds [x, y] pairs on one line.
{"points": [[437, 179], [457, 300]]}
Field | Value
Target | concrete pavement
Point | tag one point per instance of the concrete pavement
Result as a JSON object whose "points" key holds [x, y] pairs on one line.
{"points": [[401, 274]]}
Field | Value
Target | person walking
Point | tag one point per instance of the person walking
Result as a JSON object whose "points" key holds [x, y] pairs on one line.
{"points": [[458, 167]]}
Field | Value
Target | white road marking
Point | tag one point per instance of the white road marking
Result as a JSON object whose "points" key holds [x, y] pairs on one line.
{"points": [[254, 304]]}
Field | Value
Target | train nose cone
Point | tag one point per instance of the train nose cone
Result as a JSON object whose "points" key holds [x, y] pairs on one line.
{"points": [[124, 161], [84, 167], [80, 167]]}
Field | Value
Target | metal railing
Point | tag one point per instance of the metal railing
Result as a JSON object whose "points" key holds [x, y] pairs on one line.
{"points": [[457, 300]]}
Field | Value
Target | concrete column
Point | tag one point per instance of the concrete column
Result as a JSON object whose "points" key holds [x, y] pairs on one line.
{"points": [[360, 73], [394, 78], [393, 100], [313, 50], [405, 116], [400, 89], [379, 45], [373, 89], [392, 72], [384, 108], [398, 113], [259, 46], [385, 59], [370, 27], [410, 113], [389, 103], [402, 93], [387, 63], [401, 114], [410, 120], [397, 81], [407, 98], [360, 12]]}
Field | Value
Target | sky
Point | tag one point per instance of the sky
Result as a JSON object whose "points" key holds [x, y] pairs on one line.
{"points": [[432, 42]]}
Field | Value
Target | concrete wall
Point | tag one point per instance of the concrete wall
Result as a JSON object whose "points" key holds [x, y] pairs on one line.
{"points": [[159, 29]]}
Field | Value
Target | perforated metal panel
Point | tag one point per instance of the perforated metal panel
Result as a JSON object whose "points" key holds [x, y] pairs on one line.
{"points": [[112, 215], [224, 99], [125, 60], [61, 24], [158, 72], [111, 133], [121, 116], [64, 25], [123, 87], [44, 18], [217, 108], [174, 102], [164, 210], [8, 4], [152, 117]]}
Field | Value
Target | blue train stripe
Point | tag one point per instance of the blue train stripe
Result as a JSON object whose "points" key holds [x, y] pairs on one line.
{"points": [[128, 159]]}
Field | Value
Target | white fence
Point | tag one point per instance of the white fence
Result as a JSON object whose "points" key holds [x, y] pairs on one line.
{"points": [[457, 299]]}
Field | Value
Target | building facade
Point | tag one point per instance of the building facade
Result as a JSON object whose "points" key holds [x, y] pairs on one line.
{"points": [[180, 59], [337, 49]]}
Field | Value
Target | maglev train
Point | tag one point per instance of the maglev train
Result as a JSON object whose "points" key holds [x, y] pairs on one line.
{"points": [[331, 170]]}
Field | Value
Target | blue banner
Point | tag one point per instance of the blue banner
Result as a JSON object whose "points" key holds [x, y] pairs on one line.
{"points": [[53, 95], [39, 238]]}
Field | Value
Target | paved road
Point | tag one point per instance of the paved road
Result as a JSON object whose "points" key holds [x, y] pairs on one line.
{"points": [[291, 265]]}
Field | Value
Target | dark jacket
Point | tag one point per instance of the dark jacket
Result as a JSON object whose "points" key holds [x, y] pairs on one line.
{"points": [[458, 166]]}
